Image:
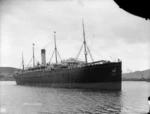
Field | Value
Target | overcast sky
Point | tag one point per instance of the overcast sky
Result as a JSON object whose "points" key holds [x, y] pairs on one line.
{"points": [[111, 32]]}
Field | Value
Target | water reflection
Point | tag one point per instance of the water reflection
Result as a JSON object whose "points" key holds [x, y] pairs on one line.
{"points": [[40, 100], [83, 101]]}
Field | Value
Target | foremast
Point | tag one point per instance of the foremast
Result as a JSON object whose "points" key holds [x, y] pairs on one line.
{"points": [[22, 62], [84, 42], [33, 56], [55, 47]]}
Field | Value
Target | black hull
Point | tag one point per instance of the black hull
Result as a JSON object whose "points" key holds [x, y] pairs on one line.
{"points": [[100, 76]]}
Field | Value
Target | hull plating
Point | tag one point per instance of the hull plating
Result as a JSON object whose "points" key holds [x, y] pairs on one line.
{"points": [[101, 76]]}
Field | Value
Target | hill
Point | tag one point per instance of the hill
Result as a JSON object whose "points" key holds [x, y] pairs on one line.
{"points": [[137, 76], [6, 73]]}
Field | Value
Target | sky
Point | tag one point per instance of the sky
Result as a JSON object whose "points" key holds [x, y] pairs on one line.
{"points": [[111, 33]]}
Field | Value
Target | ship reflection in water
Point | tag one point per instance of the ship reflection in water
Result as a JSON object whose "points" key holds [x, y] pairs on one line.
{"points": [[43, 100]]}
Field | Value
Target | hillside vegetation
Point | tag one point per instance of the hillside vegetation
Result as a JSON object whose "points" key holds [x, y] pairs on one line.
{"points": [[137, 76], [6, 73]]}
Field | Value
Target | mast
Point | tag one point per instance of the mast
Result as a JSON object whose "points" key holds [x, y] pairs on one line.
{"points": [[84, 42], [55, 47], [22, 62], [33, 56]]}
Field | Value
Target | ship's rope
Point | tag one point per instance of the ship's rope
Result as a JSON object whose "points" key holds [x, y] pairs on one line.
{"points": [[97, 49], [36, 60], [52, 56], [103, 53], [79, 51], [29, 62], [100, 51], [90, 54], [59, 55], [99, 54], [88, 50], [91, 42]]}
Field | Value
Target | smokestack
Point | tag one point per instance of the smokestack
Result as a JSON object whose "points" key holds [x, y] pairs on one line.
{"points": [[43, 57]]}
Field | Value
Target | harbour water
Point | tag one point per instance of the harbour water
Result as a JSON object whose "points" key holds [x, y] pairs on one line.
{"points": [[16, 99]]}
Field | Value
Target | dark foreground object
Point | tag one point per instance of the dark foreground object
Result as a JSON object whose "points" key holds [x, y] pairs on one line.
{"points": [[137, 7], [93, 76], [149, 104]]}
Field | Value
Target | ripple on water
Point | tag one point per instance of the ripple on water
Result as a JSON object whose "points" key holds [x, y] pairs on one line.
{"points": [[41, 100]]}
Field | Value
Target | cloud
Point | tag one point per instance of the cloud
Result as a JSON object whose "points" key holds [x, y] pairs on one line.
{"points": [[133, 31], [24, 22]]}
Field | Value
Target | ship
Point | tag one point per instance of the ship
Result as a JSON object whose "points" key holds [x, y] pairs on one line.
{"points": [[72, 73]]}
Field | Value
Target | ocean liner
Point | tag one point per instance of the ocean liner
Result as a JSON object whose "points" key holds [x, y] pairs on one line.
{"points": [[72, 73]]}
